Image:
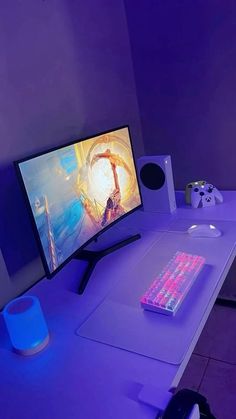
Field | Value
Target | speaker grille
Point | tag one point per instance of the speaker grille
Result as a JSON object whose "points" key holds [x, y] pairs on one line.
{"points": [[152, 176]]}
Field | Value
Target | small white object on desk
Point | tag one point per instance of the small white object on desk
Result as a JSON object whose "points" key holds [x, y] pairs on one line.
{"points": [[204, 230]]}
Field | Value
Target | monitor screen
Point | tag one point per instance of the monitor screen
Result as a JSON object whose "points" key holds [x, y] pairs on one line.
{"points": [[77, 190]]}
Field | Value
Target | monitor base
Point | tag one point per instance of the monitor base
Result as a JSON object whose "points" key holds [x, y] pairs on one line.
{"points": [[92, 257]]}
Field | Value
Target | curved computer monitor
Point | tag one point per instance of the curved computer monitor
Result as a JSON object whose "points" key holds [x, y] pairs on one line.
{"points": [[75, 191]]}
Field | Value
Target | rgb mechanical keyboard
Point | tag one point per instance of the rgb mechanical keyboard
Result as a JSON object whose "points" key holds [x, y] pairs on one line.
{"points": [[170, 287]]}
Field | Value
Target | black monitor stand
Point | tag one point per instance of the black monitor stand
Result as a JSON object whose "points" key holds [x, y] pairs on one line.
{"points": [[92, 257]]}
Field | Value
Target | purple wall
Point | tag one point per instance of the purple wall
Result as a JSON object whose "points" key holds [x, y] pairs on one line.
{"points": [[184, 56], [66, 71]]}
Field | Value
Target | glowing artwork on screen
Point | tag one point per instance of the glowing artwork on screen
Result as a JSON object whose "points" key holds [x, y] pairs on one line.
{"points": [[77, 190]]}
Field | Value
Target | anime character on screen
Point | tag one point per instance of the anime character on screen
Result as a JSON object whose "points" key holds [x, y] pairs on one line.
{"points": [[113, 208]]}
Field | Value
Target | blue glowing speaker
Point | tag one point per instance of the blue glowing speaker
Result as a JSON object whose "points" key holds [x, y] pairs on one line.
{"points": [[26, 325]]}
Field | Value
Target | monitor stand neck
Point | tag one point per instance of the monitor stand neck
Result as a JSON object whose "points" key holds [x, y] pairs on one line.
{"points": [[92, 257]]}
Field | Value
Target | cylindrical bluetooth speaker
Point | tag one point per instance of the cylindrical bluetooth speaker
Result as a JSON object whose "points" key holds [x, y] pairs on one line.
{"points": [[26, 325]]}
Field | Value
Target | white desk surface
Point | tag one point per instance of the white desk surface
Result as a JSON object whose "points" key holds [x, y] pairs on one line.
{"points": [[78, 378]]}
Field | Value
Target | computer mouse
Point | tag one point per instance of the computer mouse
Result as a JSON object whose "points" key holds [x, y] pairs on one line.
{"points": [[204, 230]]}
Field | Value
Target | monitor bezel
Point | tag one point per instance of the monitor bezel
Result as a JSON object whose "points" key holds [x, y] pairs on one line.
{"points": [[30, 212]]}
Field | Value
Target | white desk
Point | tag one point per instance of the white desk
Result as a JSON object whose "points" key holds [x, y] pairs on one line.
{"points": [[78, 378]]}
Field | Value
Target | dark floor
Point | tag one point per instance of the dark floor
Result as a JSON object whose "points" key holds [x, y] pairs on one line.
{"points": [[212, 367]]}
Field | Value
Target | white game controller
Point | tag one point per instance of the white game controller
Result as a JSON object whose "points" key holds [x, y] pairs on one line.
{"points": [[205, 196]]}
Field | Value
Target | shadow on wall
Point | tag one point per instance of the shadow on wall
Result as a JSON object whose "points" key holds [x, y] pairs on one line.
{"points": [[71, 77], [17, 241]]}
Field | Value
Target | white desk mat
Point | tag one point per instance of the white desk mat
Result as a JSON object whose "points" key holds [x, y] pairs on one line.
{"points": [[119, 320]]}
